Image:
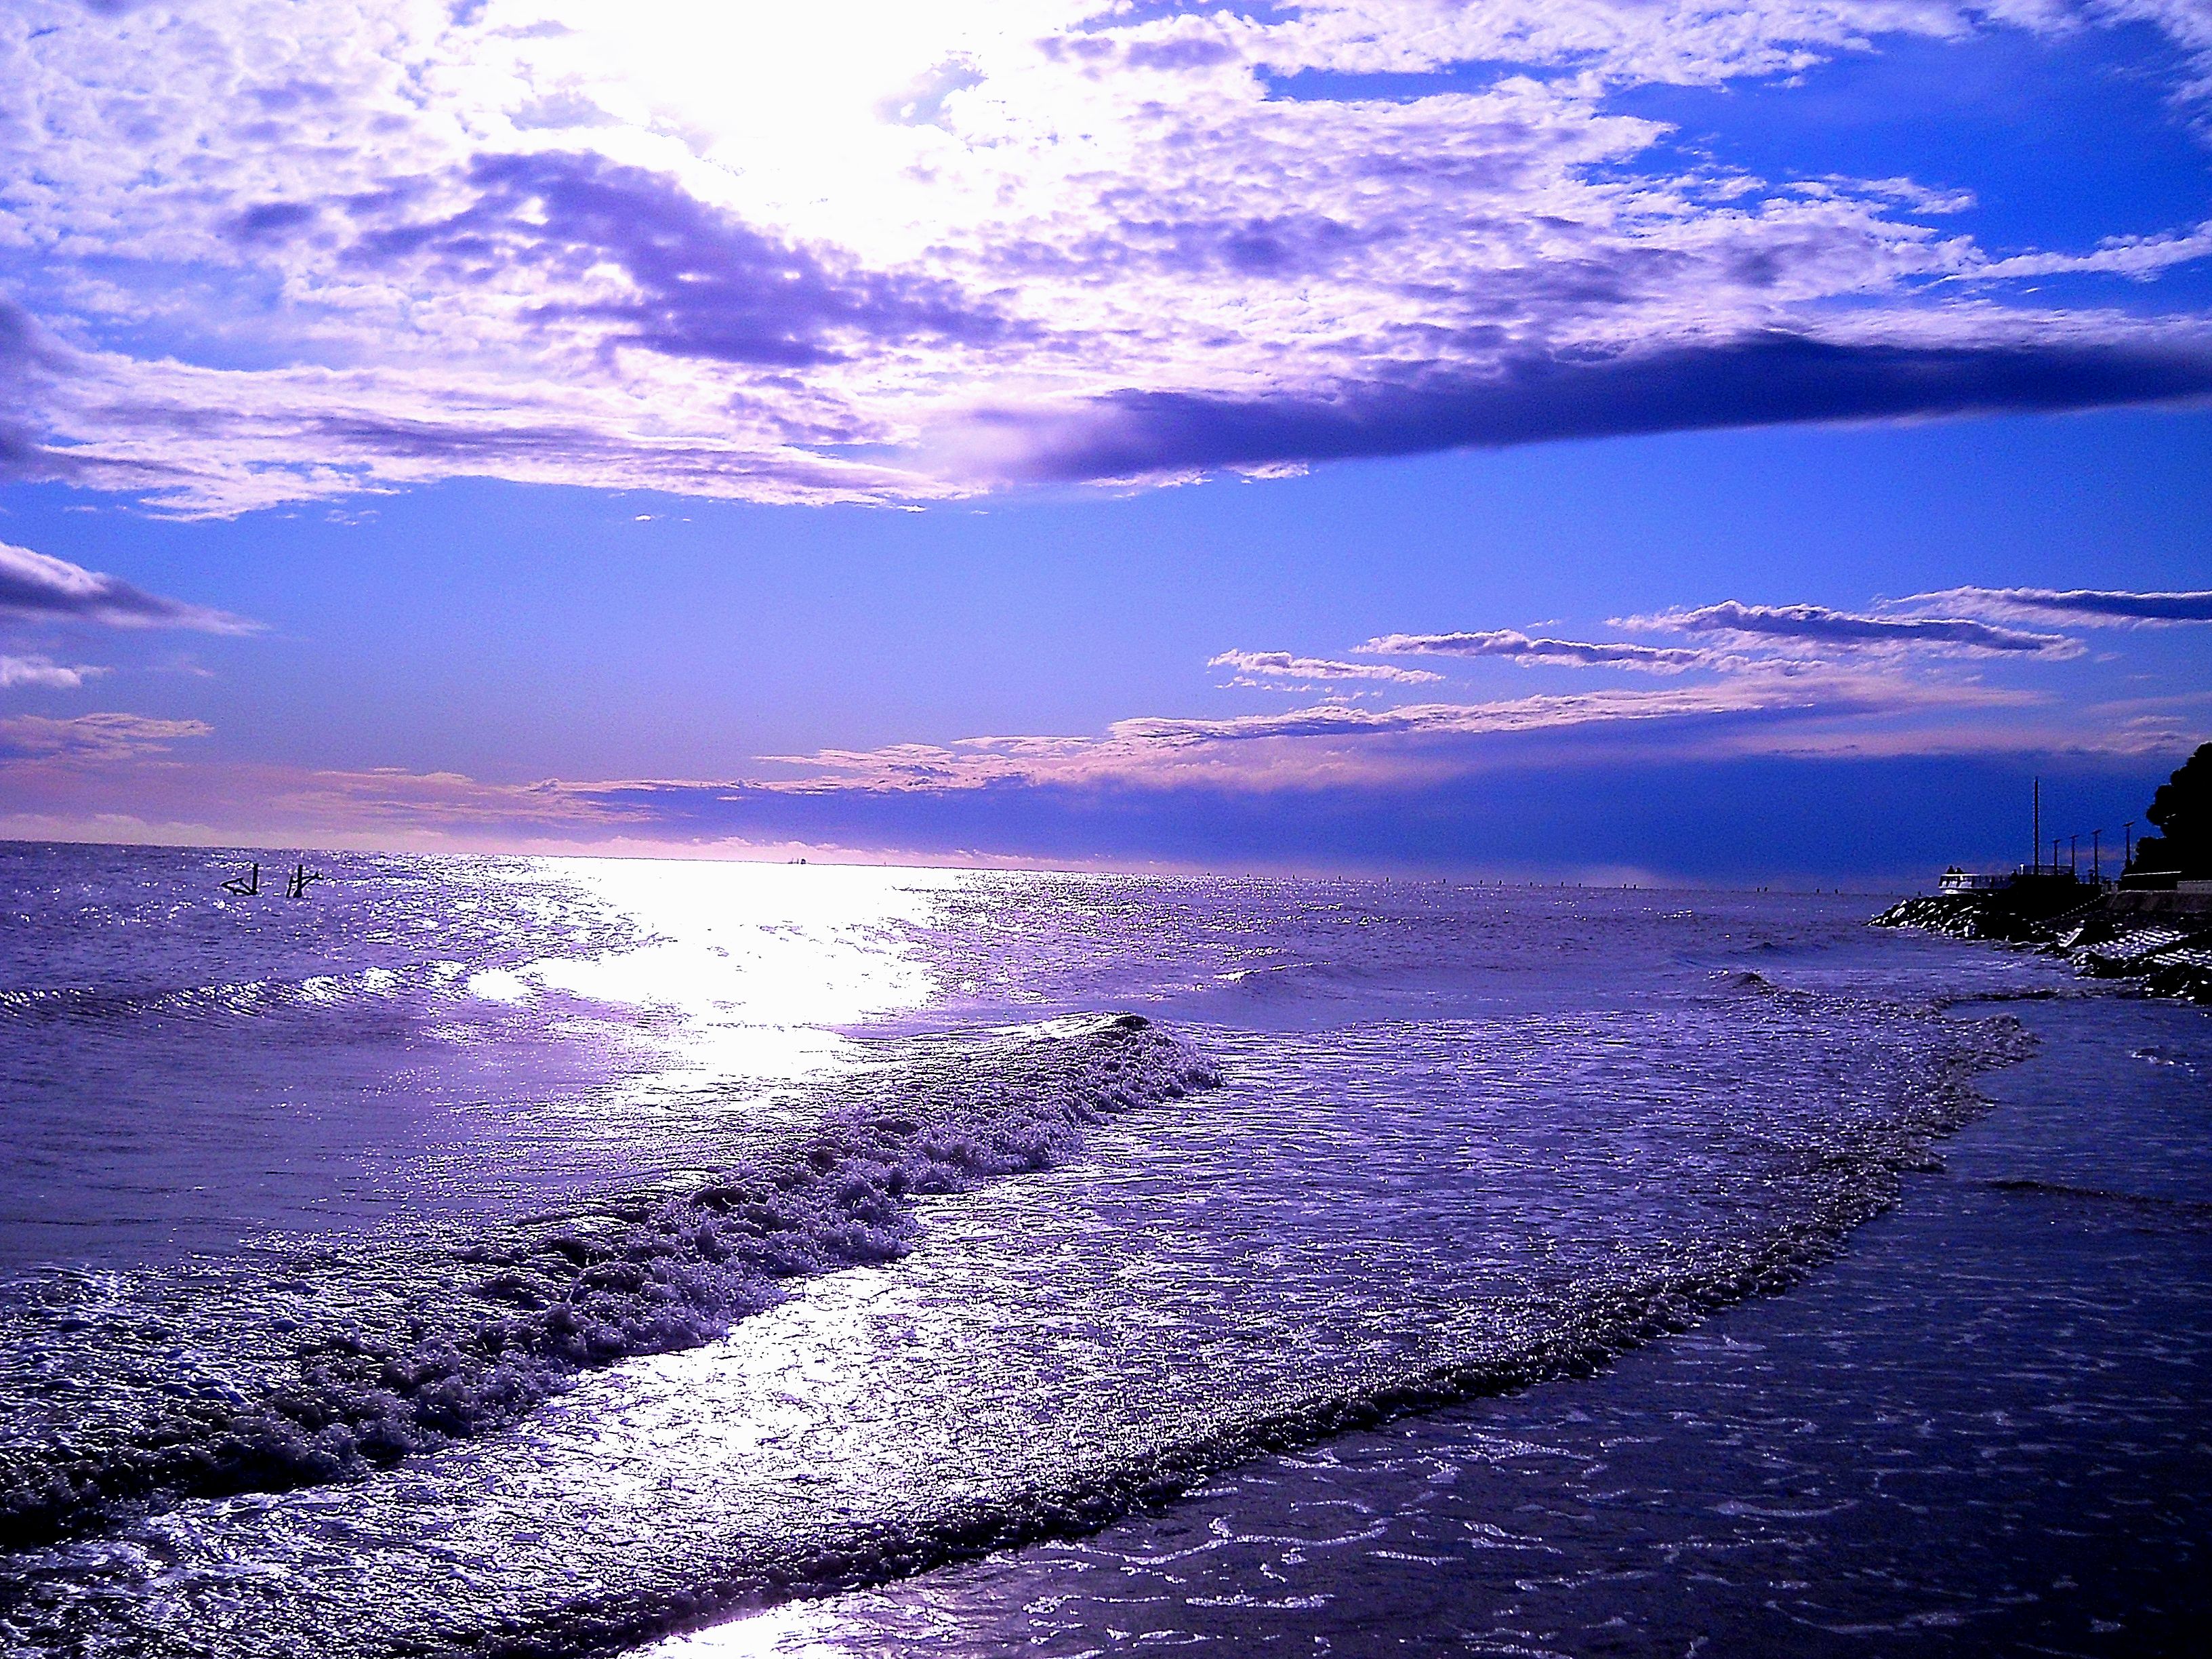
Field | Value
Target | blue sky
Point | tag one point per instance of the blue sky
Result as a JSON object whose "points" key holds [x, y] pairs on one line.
{"points": [[1328, 438]]}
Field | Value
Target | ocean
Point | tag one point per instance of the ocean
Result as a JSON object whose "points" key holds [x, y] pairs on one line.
{"points": [[547, 1256]]}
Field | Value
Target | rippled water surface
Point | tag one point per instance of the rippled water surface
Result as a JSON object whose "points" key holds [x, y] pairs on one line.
{"points": [[534, 1256]]}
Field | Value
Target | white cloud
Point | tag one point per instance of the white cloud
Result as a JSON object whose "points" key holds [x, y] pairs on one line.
{"points": [[41, 587], [1512, 646], [42, 672], [1334, 742], [2140, 256], [1254, 667], [1821, 627], [871, 251]]}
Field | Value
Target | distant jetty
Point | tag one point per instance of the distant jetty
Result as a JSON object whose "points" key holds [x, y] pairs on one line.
{"points": [[2162, 938], [2154, 924]]}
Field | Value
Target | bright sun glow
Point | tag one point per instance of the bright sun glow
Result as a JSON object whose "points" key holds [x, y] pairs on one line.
{"points": [[762, 961], [822, 119]]}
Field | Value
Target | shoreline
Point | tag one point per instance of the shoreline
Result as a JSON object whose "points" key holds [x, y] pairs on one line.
{"points": [[1793, 1433], [2163, 940]]}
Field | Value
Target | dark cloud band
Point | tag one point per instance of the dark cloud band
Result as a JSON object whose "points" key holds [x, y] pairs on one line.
{"points": [[1764, 380], [1817, 624], [2085, 605], [38, 585]]}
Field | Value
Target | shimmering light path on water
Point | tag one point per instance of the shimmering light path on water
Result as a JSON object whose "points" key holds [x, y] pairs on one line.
{"points": [[785, 1228], [1980, 1430]]}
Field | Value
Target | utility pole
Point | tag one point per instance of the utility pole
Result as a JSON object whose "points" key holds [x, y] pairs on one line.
{"points": [[2129, 830], [2074, 857], [2055, 840], [2035, 841], [2097, 857]]}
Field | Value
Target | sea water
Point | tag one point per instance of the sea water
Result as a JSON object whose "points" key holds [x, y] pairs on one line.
{"points": [[557, 1257]]}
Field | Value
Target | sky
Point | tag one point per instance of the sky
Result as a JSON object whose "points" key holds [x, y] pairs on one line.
{"points": [[1601, 440]]}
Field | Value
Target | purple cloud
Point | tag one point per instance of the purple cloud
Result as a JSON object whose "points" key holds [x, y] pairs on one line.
{"points": [[700, 283], [29, 359], [93, 739], [970, 250], [2089, 606], [1817, 624], [1341, 743], [1515, 646], [47, 589], [1261, 665], [1772, 377]]}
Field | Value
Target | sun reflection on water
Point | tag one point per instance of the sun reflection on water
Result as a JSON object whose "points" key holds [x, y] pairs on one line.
{"points": [[748, 970]]}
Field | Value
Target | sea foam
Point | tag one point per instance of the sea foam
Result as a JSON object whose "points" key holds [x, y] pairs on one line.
{"points": [[490, 1326]]}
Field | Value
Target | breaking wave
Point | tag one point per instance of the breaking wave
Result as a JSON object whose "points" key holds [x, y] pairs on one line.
{"points": [[324, 1365], [233, 1002], [1828, 1186]]}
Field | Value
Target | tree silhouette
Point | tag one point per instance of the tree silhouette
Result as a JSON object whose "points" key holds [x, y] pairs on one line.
{"points": [[2182, 809]]}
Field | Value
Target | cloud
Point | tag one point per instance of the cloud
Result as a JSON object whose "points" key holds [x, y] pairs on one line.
{"points": [[47, 589], [91, 739], [1537, 807], [1263, 666], [1817, 624], [2083, 606], [895, 252], [686, 279], [1339, 743], [1769, 378], [2140, 256], [197, 442], [42, 672], [435, 800], [1515, 646]]}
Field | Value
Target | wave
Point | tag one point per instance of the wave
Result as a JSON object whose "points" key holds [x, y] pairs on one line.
{"points": [[489, 1327], [238, 1000], [1821, 1183], [1294, 978], [2191, 1208], [1847, 1179]]}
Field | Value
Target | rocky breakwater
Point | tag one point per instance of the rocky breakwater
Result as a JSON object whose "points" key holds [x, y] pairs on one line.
{"points": [[2163, 940]]}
